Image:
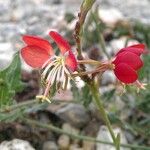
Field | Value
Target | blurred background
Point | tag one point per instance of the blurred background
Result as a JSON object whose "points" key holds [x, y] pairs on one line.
{"points": [[120, 23]]}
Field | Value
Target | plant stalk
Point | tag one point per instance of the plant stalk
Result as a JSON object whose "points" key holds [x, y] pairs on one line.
{"points": [[77, 136], [95, 92], [85, 7]]}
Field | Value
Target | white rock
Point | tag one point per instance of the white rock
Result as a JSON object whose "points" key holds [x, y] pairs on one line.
{"points": [[70, 2], [5, 61], [75, 147], [117, 44], [131, 9], [108, 77], [104, 135], [16, 144], [50, 145], [6, 50], [110, 16], [79, 83], [5, 47], [17, 13]]}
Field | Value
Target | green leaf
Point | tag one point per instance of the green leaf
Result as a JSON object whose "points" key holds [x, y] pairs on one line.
{"points": [[86, 96], [10, 82]]}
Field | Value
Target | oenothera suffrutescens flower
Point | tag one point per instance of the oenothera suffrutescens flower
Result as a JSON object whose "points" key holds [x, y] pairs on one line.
{"points": [[127, 62], [38, 53]]}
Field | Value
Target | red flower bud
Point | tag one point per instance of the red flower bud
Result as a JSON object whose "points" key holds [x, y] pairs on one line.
{"points": [[127, 62]]}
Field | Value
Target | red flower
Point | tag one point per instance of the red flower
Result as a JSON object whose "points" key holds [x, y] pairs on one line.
{"points": [[38, 51], [56, 69], [128, 62]]}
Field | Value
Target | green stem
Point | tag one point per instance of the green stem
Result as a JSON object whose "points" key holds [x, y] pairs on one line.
{"points": [[89, 61], [100, 35], [18, 105], [80, 137], [85, 7], [95, 93], [103, 45], [30, 103]]}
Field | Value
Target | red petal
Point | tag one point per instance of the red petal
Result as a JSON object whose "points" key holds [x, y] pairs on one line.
{"points": [[129, 58], [71, 61], [34, 56], [60, 41], [125, 73], [39, 42], [137, 49], [141, 46]]}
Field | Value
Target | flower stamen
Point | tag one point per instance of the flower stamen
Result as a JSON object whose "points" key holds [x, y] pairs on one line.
{"points": [[55, 72]]}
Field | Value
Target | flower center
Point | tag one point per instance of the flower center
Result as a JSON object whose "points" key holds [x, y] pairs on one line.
{"points": [[56, 72]]}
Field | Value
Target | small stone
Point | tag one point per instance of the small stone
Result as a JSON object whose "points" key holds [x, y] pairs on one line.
{"points": [[70, 2], [87, 145], [130, 9], [74, 114], [70, 129], [115, 16], [108, 77], [5, 61], [80, 83], [16, 144], [50, 145], [6, 50], [17, 14], [64, 142], [5, 47], [75, 147], [104, 135], [130, 136]]}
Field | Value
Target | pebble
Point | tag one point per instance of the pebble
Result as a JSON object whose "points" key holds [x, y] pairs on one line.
{"points": [[75, 147], [104, 135], [5, 47], [74, 114], [16, 144], [108, 77], [5, 61], [130, 9], [112, 19], [70, 129], [87, 145], [50, 145], [64, 142]]}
